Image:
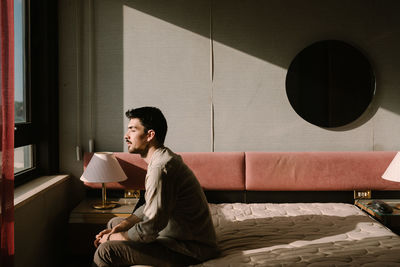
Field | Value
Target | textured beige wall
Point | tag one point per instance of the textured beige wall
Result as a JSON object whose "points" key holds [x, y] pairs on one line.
{"points": [[168, 66], [158, 53], [41, 227]]}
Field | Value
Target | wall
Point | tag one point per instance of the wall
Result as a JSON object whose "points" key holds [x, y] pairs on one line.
{"points": [[217, 70], [41, 221]]}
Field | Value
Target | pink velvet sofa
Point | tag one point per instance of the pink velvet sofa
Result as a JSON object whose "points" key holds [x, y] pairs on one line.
{"points": [[286, 176]]}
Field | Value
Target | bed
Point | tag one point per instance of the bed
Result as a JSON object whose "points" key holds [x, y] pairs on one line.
{"points": [[289, 208], [301, 234]]}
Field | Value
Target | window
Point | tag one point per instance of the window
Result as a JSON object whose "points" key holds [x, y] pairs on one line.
{"points": [[19, 62], [23, 158], [23, 155], [36, 89], [24, 161]]}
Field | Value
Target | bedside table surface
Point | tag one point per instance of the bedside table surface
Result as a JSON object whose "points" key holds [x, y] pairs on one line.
{"points": [[126, 205], [390, 220], [85, 213], [364, 204]]}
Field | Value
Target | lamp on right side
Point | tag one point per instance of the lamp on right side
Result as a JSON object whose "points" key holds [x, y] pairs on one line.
{"points": [[392, 172]]}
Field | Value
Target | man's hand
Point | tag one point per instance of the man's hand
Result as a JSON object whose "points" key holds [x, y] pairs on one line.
{"points": [[100, 235], [120, 229], [121, 236]]}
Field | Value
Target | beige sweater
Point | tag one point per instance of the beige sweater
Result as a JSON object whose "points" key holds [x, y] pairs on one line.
{"points": [[176, 212]]}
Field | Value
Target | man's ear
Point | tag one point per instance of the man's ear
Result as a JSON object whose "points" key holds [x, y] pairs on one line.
{"points": [[151, 135]]}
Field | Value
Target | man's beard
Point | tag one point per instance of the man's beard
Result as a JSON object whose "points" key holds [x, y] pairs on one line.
{"points": [[141, 151]]}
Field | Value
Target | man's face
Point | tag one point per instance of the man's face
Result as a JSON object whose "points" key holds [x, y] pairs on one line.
{"points": [[136, 138]]}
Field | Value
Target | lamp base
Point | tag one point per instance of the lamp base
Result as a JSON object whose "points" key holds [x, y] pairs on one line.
{"points": [[105, 206]]}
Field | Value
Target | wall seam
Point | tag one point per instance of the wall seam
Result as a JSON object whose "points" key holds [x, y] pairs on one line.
{"points": [[212, 80], [78, 89], [90, 77]]}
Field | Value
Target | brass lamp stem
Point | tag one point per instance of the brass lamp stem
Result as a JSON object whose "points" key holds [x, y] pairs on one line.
{"points": [[103, 194], [104, 205]]}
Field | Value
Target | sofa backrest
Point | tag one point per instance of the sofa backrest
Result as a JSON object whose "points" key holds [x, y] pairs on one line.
{"points": [[271, 171], [214, 170], [318, 171], [217, 170]]}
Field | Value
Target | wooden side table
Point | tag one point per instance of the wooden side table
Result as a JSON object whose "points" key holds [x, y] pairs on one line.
{"points": [[390, 220], [84, 213], [86, 222]]}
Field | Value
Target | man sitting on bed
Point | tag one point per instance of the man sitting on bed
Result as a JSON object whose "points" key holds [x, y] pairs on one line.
{"points": [[174, 226]]}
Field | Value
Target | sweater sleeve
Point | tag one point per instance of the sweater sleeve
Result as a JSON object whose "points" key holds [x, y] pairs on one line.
{"points": [[160, 197], [139, 212]]}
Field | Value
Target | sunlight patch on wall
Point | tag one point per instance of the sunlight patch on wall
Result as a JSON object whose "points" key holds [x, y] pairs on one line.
{"points": [[168, 67]]}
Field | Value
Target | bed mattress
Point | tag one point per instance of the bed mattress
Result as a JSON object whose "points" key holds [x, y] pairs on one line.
{"points": [[301, 234]]}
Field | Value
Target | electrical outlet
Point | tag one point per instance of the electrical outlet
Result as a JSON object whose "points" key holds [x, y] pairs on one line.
{"points": [[362, 194], [130, 193]]}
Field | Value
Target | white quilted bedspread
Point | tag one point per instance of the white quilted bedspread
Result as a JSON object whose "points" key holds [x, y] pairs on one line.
{"points": [[301, 234]]}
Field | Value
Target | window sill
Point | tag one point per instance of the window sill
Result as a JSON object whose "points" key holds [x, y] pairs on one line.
{"points": [[26, 192]]}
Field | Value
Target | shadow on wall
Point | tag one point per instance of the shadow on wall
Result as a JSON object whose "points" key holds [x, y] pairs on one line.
{"points": [[276, 30], [273, 31], [108, 71]]}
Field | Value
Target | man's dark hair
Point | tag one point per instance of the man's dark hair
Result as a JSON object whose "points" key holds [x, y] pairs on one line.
{"points": [[152, 119]]}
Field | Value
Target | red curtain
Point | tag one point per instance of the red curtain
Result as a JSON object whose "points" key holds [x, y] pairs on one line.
{"points": [[7, 133]]}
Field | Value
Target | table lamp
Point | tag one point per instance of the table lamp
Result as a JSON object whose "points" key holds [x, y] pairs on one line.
{"points": [[392, 173], [103, 168]]}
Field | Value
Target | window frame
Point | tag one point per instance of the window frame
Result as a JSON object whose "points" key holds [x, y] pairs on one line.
{"points": [[41, 90]]}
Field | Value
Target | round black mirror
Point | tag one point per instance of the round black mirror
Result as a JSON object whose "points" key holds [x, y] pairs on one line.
{"points": [[330, 83]]}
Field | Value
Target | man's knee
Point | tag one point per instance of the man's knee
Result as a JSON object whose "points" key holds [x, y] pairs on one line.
{"points": [[114, 253], [103, 255]]}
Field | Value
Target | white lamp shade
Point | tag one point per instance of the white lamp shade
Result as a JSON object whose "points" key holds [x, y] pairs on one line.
{"points": [[392, 173], [103, 168]]}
